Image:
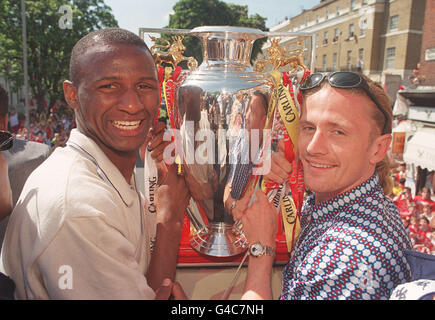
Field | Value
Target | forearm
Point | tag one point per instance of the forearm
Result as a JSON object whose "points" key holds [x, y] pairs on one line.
{"points": [[164, 256], [258, 285]]}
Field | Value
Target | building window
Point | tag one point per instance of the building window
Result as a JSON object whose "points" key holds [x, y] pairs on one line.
{"points": [[363, 2], [390, 58], [317, 18], [326, 14], [336, 33], [363, 27], [334, 61], [352, 4], [306, 21], [394, 23], [360, 63], [351, 30], [325, 37], [349, 59], [338, 11], [324, 62], [361, 53]]}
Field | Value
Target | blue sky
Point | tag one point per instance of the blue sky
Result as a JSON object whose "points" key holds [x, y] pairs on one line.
{"points": [[133, 14]]}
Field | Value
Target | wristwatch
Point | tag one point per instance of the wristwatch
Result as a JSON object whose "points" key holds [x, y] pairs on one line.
{"points": [[258, 250]]}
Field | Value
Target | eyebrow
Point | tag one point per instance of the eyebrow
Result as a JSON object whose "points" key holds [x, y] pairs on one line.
{"points": [[330, 123], [119, 78]]}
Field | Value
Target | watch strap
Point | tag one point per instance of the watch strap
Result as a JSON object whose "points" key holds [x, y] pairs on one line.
{"points": [[265, 250]]}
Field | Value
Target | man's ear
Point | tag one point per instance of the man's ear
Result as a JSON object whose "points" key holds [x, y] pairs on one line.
{"points": [[380, 148], [71, 94]]}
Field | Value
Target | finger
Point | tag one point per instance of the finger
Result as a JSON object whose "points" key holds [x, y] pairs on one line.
{"points": [[158, 150], [158, 127], [155, 141], [261, 197], [280, 160], [274, 177], [165, 290], [178, 292], [279, 172], [249, 191], [237, 214]]}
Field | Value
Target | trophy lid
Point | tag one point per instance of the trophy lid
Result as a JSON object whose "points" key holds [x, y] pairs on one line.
{"points": [[229, 32]]}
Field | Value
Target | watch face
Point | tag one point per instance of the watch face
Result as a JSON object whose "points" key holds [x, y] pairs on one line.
{"points": [[256, 249]]}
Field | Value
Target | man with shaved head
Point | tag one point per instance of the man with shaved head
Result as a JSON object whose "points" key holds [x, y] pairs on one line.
{"points": [[78, 230]]}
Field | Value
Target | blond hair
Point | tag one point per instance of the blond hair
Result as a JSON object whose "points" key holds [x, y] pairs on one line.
{"points": [[383, 168]]}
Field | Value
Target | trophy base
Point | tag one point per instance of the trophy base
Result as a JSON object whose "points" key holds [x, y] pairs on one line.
{"points": [[221, 240]]}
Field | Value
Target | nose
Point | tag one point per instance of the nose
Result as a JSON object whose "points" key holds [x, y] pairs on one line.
{"points": [[318, 144], [130, 102]]}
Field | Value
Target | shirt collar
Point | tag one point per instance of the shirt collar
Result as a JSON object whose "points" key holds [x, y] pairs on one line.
{"points": [[126, 192], [330, 207]]}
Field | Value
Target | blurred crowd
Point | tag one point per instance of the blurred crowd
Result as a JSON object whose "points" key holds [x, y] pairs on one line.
{"points": [[417, 213], [52, 129]]}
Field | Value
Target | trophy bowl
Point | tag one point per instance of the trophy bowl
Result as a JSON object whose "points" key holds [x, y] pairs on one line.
{"points": [[219, 104], [220, 110]]}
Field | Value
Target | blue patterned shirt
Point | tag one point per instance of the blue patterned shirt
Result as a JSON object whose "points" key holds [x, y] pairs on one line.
{"points": [[350, 247]]}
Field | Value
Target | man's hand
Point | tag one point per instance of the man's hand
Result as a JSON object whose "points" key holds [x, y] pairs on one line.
{"points": [[156, 145], [260, 226], [280, 167], [172, 198], [236, 207], [260, 221], [170, 291]]}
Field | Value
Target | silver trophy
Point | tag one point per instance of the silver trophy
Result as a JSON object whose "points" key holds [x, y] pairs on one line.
{"points": [[221, 110]]}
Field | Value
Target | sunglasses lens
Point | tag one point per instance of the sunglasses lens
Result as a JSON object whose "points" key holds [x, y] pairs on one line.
{"points": [[311, 81], [345, 79], [4, 136]]}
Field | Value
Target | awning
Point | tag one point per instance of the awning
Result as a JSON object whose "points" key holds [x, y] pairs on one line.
{"points": [[420, 149]]}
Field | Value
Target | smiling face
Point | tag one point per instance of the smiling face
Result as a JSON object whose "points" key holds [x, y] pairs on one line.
{"points": [[335, 143], [116, 98]]}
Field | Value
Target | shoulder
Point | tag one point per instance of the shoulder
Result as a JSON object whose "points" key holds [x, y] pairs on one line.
{"points": [[68, 184], [26, 153], [29, 148]]}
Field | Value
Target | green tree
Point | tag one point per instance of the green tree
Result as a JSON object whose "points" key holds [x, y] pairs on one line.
{"points": [[189, 14], [49, 41]]}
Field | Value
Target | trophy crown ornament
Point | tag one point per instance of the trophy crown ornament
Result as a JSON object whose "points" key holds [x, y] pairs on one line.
{"points": [[173, 54]]}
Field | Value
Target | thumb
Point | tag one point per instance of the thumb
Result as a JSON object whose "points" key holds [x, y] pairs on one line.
{"points": [[249, 191], [164, 291], [178, 292], [261, 196]]}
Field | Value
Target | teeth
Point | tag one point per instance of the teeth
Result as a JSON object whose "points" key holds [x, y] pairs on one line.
{"points": [[126, 125], [318, 165]]}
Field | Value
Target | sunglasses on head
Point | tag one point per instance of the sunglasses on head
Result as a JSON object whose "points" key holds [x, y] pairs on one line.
{"points": [[6, 140], [343, 80]]}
